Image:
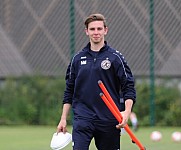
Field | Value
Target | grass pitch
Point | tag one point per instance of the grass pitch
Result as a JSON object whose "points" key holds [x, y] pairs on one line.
{"points": [[39, 137]]}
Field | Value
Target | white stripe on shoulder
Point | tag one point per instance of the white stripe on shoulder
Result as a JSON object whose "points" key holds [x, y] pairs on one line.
{"points": [[122, 64], [72, 63]]}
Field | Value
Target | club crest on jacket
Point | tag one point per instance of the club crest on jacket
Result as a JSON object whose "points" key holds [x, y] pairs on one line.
{"points": [[105, 64]]}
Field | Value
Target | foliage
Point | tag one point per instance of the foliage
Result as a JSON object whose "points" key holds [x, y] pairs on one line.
{"points": [[31, 100], [167, 104], [38, 100]]}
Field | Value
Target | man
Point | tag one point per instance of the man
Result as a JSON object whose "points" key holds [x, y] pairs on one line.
{"points": [[134, 121], [92, 118]]}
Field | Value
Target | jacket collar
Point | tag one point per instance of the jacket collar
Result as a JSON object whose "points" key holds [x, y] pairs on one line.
{"points": [[105, 47]]}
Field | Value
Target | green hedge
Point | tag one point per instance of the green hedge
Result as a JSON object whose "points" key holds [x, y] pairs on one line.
{"points": [[31, 100], [167, 104], [38, 100]]}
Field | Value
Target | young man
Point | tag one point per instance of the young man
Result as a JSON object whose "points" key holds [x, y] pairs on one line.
{"points": [[92, 118], [134, 121]]}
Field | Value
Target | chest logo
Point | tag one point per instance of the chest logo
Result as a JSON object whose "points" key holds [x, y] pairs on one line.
{"points": [[105, 64], [83, 62]]}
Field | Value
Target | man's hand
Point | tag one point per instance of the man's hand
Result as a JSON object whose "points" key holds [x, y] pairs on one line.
{"points": [[62, 126], [125, 114], [63, 121], [125, 118]]}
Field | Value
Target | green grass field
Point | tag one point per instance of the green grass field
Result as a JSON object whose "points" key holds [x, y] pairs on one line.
{"points": [[39, 137]]}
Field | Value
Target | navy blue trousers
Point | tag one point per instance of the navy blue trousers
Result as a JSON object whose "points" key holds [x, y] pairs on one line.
{"points": [[105, 134]]}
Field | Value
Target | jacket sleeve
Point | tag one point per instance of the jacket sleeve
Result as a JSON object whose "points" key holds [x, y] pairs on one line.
{"points": [[70, 82], [126, 79]]}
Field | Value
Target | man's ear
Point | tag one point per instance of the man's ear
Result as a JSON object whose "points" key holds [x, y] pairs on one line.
{"points": [[105, 30], [86, 31]]}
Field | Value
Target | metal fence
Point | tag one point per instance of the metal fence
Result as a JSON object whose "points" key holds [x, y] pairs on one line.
{"points": [[45, 33]]}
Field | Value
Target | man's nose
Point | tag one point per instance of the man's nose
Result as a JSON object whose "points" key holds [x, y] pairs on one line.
{"points": [[95, 31]]}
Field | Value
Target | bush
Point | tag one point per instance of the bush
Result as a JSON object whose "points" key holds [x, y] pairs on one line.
{"points": [[38, 100], [167, 104], [31, 100]]}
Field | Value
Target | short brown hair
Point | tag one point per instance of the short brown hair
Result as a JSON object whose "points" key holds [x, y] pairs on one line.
{"points": [[95, 17]]}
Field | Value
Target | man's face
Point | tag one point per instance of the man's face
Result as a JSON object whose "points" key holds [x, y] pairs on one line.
{"points": [[96, 31]]}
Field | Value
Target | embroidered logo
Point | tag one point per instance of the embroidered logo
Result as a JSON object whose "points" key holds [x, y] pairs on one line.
{"points": [[83, 57], [105, 64], [83, 62]]}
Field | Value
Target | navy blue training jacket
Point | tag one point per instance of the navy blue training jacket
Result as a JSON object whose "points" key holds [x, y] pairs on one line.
{"points": [[82, 90]]}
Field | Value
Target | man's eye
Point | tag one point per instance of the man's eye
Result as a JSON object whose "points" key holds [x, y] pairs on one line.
{"points": [[92, 29], [99, 28]]}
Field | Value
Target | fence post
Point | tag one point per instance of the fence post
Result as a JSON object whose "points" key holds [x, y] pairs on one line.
{"points": [[152, 76], [72, 34], [72, 28]]}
